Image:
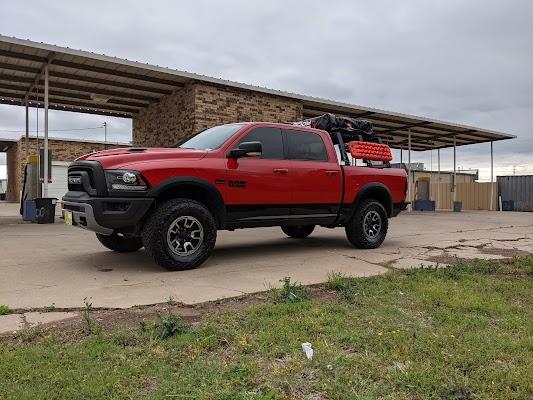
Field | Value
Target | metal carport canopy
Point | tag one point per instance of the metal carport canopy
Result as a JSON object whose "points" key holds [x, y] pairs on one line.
{"points": [[91, 83]]}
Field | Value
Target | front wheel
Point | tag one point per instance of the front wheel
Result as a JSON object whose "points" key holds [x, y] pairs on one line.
{"points": [[121, 244], [180, 234], [368, 227], [299, 231]]}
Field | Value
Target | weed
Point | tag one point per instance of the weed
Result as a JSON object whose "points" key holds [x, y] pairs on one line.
{"points": [[458, 393], [389, 264], [4, 310], [290, 292], [270, 395], [50, 308], [338, 282], [526, 262], [166, 327], [462, 240], [91, 326], [27, 335], [125, 337], [346, 285], [171, 301]]}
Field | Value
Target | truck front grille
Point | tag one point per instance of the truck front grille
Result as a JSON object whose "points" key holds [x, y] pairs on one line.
{"points": [[87, 176]]}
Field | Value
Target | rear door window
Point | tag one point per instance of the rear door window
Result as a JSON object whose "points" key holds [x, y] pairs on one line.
{"points": [[307, 146]]}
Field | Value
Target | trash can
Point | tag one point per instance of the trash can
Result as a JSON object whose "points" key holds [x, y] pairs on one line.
{"points": [[46, 210], [424, 205], [457, 206], [29, 213], [508, 205]]}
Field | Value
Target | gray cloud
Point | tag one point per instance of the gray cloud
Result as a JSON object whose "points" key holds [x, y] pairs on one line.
{"points": [[465, 62]]}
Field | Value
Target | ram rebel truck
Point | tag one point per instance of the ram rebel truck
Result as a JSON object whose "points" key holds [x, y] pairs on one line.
{"points": [[172, 201]]}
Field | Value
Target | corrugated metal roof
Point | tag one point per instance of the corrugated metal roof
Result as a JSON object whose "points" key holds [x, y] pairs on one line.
{"points": [[91, 83]]}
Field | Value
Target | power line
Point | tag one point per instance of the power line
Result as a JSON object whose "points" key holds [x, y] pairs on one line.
{"points": [[54, 130]]}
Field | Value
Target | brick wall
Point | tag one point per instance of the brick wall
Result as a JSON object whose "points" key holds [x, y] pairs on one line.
{"points": [[162, 124], [200, 106], [216, 104], [12, 189], [62, 150]]}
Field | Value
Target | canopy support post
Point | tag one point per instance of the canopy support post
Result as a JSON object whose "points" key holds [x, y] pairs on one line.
{"points": [[438, 179], [45, 174], [409, 170], [491, 175], [27, 137], [454, 186]]}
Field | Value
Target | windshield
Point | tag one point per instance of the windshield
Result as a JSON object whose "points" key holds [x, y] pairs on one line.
{"points": [[212, 138]]}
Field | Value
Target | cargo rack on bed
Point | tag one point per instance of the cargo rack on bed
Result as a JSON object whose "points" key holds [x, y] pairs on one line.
{"points": [[354, 136]]}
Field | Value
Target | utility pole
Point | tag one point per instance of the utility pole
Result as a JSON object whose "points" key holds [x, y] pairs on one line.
{"points": [[514, 170]]}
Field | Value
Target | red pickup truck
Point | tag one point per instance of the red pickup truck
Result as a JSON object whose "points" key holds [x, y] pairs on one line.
{"points": [[172, 201]]}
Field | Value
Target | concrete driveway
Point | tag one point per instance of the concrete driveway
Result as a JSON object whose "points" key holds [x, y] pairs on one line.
{"points": [[41, 265]]}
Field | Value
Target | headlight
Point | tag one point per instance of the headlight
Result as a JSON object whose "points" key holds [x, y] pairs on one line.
{"points": [[125, 180]]}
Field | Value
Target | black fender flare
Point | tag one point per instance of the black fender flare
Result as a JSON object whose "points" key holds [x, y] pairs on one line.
{"points": [[385, 197], [218, 208]]}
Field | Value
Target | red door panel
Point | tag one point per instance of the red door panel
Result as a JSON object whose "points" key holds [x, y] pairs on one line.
{"points": [[265, 181], [316, 186], [258, 189]]}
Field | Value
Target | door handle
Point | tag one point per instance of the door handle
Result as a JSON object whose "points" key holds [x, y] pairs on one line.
{"points": [[281, 171], [332, 173]]}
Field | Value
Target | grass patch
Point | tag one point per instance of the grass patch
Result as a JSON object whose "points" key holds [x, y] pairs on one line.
{"points": [[462, 332], [4, 310]]}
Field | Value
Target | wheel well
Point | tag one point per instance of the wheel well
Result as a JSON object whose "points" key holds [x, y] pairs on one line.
{"points": [[194, 192], [380, 195]]}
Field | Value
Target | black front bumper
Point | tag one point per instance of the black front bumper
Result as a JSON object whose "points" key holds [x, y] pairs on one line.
{"points": [[105, 214]]}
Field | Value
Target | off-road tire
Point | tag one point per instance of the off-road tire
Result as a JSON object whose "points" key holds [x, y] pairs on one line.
{"points": [[368, 227], [119, 243], [299, 231], [158, 228]]}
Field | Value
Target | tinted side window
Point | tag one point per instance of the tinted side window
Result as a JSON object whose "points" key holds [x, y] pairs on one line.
{"points": [[306, 146], [271, 140]]}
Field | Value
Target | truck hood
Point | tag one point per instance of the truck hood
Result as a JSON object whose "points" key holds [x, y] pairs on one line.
{"points": [[117, 158]]}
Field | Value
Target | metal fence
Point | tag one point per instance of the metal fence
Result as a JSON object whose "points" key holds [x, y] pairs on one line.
{"points": [[516, 192], [473, 195]]}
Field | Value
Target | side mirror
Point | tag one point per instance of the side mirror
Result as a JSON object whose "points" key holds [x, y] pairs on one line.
{"points": [[247, 149]]}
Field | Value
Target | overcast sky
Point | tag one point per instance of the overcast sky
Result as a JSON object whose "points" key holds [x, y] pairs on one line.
{"points": [[468, 62]]}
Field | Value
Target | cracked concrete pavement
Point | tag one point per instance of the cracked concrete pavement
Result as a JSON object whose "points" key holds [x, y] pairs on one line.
{"points": [[56, 264]]}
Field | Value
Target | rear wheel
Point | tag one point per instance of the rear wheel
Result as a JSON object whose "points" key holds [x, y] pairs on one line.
{"points": [[180, 234], [368, 227], [299, 231], [121, 244]]}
